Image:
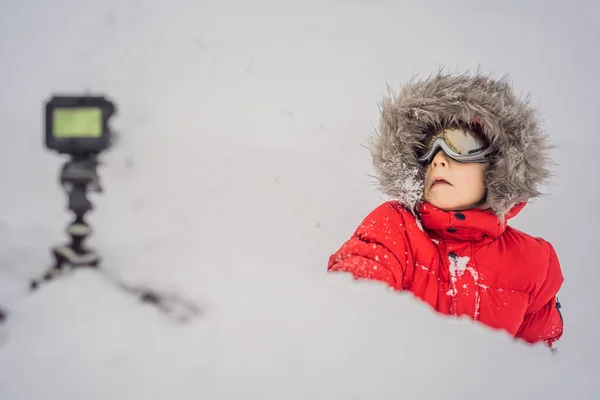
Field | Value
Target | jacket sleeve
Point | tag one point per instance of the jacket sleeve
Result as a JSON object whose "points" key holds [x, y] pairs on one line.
{"points": [[377, 250], [543, 320]]}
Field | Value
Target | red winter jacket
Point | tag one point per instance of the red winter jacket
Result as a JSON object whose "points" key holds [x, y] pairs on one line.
{"points": [[461, 263]]}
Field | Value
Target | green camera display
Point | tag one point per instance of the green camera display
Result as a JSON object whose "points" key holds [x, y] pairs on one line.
{"points": [[77, 122]]}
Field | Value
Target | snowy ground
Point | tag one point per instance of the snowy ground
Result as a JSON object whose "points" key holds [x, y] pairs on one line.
{"points": [[240, 168]]}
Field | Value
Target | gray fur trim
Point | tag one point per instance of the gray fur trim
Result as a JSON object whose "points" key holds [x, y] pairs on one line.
{"points": [[520, 163]]}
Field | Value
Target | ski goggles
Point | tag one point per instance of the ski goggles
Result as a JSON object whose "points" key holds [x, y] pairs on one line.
{"points": [[460, 145]]}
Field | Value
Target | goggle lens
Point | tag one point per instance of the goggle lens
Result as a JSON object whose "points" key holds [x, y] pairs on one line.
{"points": [[459, 144]]}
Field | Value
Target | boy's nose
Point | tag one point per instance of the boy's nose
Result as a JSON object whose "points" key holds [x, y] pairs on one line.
{"points": [[440, 159]]}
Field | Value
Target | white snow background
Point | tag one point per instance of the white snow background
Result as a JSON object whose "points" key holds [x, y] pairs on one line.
{"points": [[241, 167]]}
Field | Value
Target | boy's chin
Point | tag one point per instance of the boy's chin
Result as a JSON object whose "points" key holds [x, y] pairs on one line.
{"points": [[449, 206]]}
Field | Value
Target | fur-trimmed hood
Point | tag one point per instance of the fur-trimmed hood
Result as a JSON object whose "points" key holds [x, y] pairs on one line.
{"points": [[520, 161]]}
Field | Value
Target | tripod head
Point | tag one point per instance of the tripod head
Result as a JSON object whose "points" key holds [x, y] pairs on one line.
{"points": [[77, 176]]}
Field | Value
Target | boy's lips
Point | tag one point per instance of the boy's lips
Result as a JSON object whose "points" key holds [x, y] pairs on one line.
{"points": [[437, 181]]}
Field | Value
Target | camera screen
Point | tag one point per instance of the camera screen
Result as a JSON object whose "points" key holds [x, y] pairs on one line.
{"points": [[77, 122]]}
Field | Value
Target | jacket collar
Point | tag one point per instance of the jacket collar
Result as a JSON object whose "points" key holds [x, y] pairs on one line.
{"points": [[469, 225]]}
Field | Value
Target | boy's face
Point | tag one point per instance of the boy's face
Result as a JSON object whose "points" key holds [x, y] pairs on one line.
{"points": [[452, 186]]}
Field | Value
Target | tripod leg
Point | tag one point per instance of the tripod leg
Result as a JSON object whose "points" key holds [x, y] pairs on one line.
{"points": [[51, 272]]}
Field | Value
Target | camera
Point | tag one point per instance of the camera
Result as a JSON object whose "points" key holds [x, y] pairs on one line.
{"points": [[78, 125]]}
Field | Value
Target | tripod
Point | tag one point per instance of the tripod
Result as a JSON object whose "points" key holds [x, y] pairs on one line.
{"points": [[77, 176]]}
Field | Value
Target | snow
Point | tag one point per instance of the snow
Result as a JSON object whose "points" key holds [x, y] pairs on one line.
{"points": [[81, 337], [408, 185], [458, 265], [239, 169]]}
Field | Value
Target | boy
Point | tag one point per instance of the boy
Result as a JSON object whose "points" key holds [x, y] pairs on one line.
{"points": [[461, 154]]}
